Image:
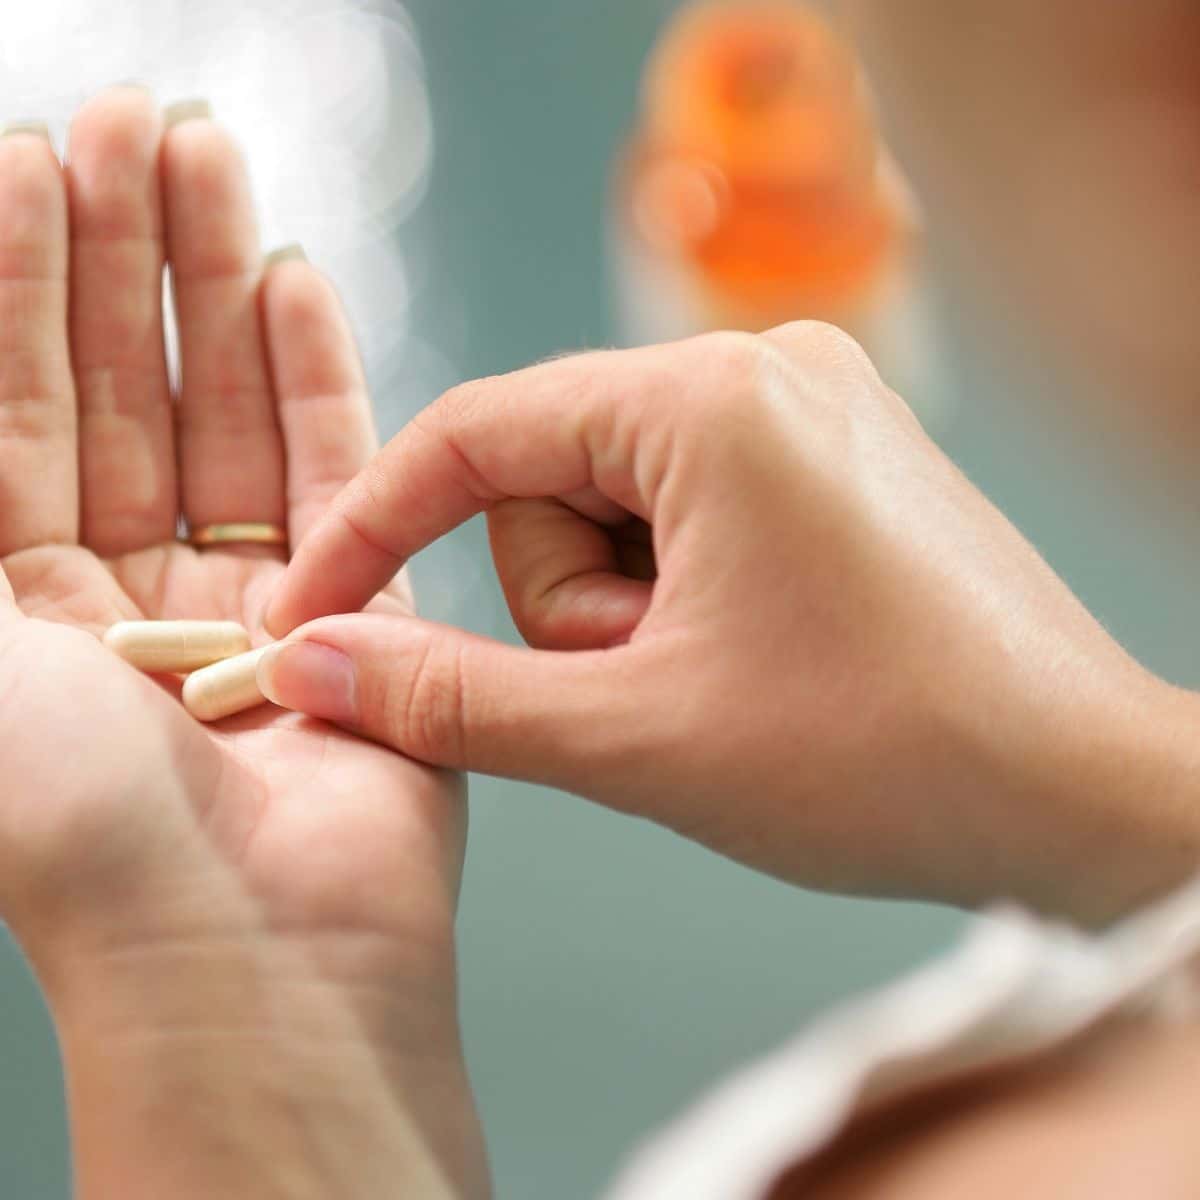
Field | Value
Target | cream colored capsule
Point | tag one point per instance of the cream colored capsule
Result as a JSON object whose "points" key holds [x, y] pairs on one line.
{"points": [[176, 646], [225, 688]]}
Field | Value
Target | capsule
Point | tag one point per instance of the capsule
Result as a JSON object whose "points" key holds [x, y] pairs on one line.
{"points": [[225, 688], [176, 646]]}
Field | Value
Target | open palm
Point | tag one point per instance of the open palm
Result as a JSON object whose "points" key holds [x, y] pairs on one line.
{"points": [[122, 816]]}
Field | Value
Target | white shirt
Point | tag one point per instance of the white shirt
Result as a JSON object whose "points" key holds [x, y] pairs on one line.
{"points": [[1015, 987]]}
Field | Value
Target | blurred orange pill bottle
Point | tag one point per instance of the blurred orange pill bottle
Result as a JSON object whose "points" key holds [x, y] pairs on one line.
{"points": [[756, 190]]}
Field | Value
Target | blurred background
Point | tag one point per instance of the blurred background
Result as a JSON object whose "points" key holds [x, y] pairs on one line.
{"points": [[490, 183]]}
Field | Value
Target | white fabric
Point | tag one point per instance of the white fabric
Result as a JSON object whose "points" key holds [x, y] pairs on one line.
{"points": [[1014, 987]]}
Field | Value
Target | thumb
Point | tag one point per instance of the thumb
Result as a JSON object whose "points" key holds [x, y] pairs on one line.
{"points": [[457, 700]]}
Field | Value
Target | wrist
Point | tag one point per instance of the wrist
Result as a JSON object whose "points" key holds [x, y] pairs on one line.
{"points": [[1140, 778], [1093, 792], [225, 1066]]}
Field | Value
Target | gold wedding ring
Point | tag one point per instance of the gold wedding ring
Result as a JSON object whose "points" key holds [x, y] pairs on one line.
{"points": [[243, 533]]}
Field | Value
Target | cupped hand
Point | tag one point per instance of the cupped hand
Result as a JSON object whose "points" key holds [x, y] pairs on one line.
{"points": [[766, 611], [136, 844]]}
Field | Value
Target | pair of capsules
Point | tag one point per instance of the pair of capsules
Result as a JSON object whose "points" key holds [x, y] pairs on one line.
{"points": [[221, 668]]}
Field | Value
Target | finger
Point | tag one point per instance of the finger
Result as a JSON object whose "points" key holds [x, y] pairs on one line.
{"points": [[230, 446], [39, 469], [589, 503], [324, 409], [126, 441], [634, 544], [455, 700], [562, 577], [552, 430]]}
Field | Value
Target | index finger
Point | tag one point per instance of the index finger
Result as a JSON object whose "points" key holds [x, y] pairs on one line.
{"points": [[545, 431]]}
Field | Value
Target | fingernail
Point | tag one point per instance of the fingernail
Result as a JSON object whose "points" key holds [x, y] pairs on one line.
{"points": [[187, 110], [30, 128], [291, 253], [136, 84], [310, 678]]}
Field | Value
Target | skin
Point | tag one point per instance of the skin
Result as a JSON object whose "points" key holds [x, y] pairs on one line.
{"points": [[254, 919], [1068, 721], [883, 728], [911, 703], [1110, 1116], [1055, 149]]}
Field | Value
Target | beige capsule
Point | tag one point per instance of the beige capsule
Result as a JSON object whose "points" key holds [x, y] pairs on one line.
{"points": [[176, 646], [225, 688]]}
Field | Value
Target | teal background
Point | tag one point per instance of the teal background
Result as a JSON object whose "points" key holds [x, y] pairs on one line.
{"points": [[610, 971]]}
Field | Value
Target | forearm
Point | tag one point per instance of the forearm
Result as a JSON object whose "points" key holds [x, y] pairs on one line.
{"points": [[204, 1070]]}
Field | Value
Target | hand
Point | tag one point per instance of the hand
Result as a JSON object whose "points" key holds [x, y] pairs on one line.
{"points": [[840, 664], [243, 920]]}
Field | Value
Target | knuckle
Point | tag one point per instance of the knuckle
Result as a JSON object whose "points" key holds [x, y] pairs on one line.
{"points": [[744, 372], [457, 406], [423, 707], [728, 364], [820, 344], [369, 490], [452, 424], [736, 351]]}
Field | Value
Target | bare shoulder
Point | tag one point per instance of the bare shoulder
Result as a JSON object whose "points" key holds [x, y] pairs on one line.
{"points": [[1110, 1117]]}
